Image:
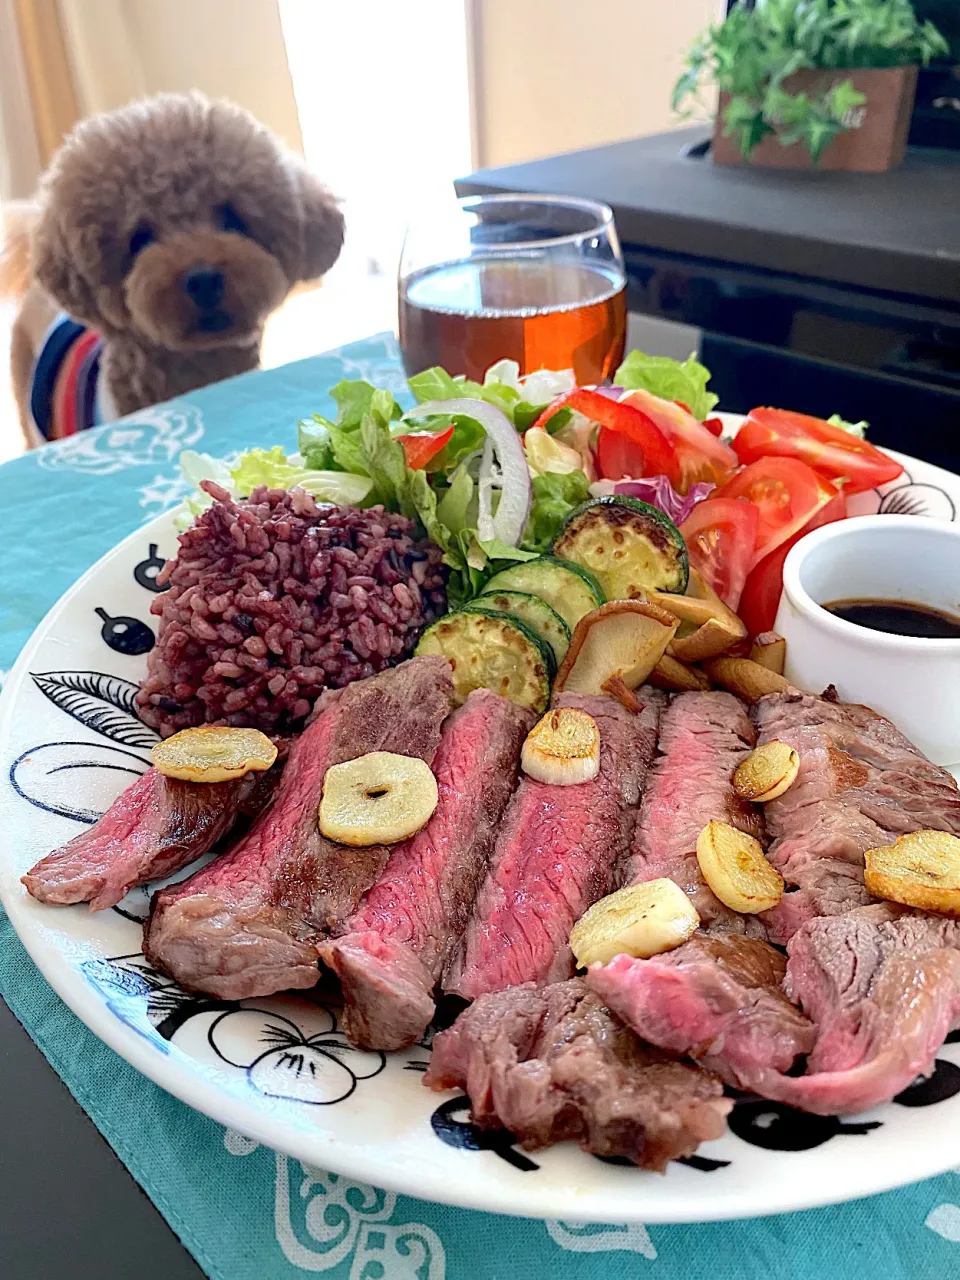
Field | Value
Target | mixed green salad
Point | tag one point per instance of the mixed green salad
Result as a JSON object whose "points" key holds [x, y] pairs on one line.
{"points": [[488, 496]]}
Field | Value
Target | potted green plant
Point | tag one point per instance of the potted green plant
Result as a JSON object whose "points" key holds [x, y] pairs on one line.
{"points": [[805, 83]]}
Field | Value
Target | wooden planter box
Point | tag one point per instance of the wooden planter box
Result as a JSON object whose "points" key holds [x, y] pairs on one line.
{"points": [[877, 141]]}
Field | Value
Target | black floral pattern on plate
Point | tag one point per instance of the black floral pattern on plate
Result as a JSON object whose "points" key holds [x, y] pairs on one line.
{"points": [[145, 573], [125, 634]]}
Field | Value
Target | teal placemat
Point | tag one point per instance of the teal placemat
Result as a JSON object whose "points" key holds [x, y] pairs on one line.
{"points": [[247, 1213]]}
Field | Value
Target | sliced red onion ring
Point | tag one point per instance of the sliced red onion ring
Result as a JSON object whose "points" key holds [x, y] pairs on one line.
{"points": [[516, 494]]}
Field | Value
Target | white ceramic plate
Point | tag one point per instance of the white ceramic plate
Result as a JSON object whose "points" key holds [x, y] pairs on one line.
{"points": [[278, 1069]]}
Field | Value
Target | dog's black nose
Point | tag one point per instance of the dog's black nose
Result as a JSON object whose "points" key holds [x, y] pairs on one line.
{"points": [[205, 286]]}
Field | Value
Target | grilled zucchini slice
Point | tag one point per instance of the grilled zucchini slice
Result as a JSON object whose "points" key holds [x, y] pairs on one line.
{"points": [[492, 650], [630, 546], [532, 612], [567, 588]]}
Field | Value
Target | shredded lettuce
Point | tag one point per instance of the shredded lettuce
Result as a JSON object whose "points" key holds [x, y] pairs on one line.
{"points": [[683, 380]]}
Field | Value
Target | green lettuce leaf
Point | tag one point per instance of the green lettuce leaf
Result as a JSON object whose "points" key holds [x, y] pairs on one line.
{"points": [[386, 465], [355, 399], [275, 469], [453, 508], [554, 497], [271, 467], [494, 549], [467, 439], [501, 387], [313, 443], [684, 380]]}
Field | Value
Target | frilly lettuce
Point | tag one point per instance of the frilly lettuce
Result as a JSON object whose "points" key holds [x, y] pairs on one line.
{"points": [[521, 399], [271, 467], [683, 380]]}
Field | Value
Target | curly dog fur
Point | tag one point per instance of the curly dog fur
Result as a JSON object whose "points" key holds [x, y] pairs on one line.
{"points": [[174, 226]]}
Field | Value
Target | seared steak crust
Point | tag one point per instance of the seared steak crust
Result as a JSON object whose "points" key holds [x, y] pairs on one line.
{"points": [[552, 1064], [152, 829], [248, 924], [861, 785], [392, 952], [717, 999], [882, 986]]}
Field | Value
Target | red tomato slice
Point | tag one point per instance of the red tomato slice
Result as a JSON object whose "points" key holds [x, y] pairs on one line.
{"points": [[832, 452], [702, 456], [652, 453], [420, 447], [786, 493], [720, 534], [764, 584]]}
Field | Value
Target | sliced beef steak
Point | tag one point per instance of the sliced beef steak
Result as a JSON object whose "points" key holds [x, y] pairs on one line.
{"points": [[717, 999], [559, 849], [552, 1064], [882, 986], [393, 951], [861, 785], [152, 829], [247, 925], [703, 737]]}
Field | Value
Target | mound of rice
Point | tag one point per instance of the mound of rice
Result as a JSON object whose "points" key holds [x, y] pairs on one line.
{"points": [[272, 599]]}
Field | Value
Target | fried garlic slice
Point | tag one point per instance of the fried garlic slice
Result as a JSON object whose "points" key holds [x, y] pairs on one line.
{"points": [[379, 798], [641, 920], [919, 870], [213, 753], [767, 773], [563, 748], [734, 867]]}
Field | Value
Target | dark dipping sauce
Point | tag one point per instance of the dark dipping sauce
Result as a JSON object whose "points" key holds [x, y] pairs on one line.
{"points": [[899, 617]]}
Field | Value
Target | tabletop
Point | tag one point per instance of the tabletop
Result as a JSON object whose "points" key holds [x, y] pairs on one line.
{"points": [[897, 231], [67, 1207]]}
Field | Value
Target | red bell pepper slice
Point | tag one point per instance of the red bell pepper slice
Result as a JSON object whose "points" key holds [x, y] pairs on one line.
{"points": [[421, 447], [659, 455]]}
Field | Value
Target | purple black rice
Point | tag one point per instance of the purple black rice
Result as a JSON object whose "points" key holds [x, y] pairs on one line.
{"points": [[273, 598]]}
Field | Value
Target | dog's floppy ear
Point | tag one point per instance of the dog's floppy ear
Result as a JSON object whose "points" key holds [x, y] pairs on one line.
{"points": [[322, 224], [54, 264]]}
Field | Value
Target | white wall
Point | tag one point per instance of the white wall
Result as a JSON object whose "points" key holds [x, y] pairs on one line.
{"points": [[557, 75], [123, 49]]}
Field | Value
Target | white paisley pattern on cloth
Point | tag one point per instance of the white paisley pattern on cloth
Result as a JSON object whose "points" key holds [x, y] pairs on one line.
{"points": [[326, 1219], [152, 436], [597, 1237], [945, 1220]]}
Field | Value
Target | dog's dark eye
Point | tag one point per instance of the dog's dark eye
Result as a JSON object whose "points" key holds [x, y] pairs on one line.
{"points": [[142, 236], [230, 220]]}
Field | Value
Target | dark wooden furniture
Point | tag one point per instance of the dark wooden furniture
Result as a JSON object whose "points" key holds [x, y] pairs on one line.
{"points": [[824, 292]]}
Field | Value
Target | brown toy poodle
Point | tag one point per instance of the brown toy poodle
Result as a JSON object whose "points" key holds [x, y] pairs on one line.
{"points": [[167, 231]]}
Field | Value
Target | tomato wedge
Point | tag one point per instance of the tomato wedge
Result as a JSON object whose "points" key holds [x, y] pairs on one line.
{"points": [[422, 446], [764, 584], [831, 451], [701, 454], [652, 453], [786, 493], [721, 534]]}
